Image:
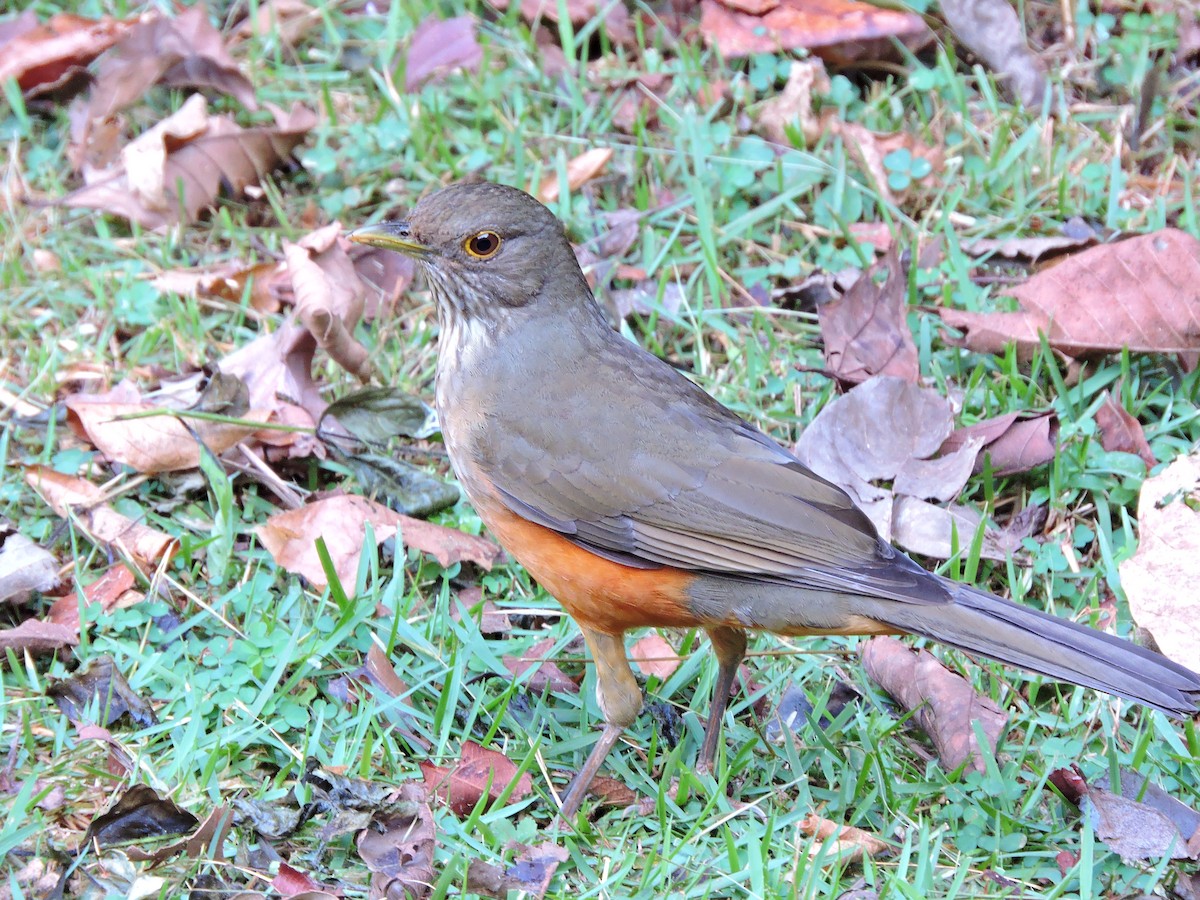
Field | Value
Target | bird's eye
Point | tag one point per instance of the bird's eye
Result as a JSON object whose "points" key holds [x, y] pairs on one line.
{"points": [[483, 244]]}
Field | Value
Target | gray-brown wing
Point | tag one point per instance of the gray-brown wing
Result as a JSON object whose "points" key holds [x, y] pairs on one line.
{"points": [[703, 491]]}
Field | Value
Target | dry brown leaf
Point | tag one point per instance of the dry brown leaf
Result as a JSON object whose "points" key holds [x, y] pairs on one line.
{"points": [[398, 848], [548, 676], [42, 57], [155, 443], [194, 172], [820, 25], [267, 283], [793, 105], [85, 504], [439, 46], [654, 656], [849, 842], [1142, 293], [530, 873], [865, 331], [1014, 442], [25, 566], [1121, 432], [35, 636], [944, 703], [616, 17], [993, 31], [290, 537], [580, 170], [1160, 578], [477, 773], [329, 295], [288, 20], [183, 51], [112, 589]]}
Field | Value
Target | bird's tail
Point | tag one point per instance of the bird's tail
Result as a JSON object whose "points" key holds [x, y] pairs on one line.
{"points": [[982, 623]]}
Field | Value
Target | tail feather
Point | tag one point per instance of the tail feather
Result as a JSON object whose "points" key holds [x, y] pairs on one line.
{"points": [[982, 623]]}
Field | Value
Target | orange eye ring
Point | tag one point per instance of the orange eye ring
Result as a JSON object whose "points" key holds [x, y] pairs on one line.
{"points": [[482, 245]]}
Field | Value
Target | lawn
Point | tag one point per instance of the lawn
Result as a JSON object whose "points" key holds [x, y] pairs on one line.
{"points": [[310, 699]]}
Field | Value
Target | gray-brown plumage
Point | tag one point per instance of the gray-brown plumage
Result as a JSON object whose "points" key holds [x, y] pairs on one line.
{"points": [[637, 499]]}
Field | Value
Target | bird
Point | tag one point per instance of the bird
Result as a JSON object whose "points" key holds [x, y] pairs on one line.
{"points": [[636, 499]]}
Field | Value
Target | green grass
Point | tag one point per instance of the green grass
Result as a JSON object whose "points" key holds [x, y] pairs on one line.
{"points": [[241, 662]]}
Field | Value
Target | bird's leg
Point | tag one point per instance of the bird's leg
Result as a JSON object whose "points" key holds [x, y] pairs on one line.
{"points": [[730, 646], [620, 699]]}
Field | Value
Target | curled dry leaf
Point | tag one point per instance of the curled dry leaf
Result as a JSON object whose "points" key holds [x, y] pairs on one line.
{"points": [[944, 703], [112, 589], [850, 842], [288, 20], [865, 331], [547, 675], [992, 30], [1121, 432], [835, 29], [42, 57], [35, 636], [329, 295], [1014, 442], [398, 848], [1160, 578], [290, 537], [580, 170], [1142, 294], [616, 17], [192, 167], [139, 813], [530, 872], [477, 773], [654, 656], [24, 566], [100, 684], [180, 51], [85, 504]]}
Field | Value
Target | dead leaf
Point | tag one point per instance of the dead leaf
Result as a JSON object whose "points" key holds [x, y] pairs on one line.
{"points": [[1121, 432], [793, 106], [42, 57], [1014, 442], [194, 171], [114, 586], [155, 443], [140, 813], [850, 843], [477, 773], [547, 675], [819, 25], [580, 170], [290, 537], [84, 503], [654, 656], [184, 51], [35, 636], [531, 872], [1142, 294], [267, 283], [100, 684], [616, 17], [398, 848], [329, 295], [25, 567], [944, 703], [940, 532], [866, 331], [439, 46], [288, 20], [992, 30], [1031, 248], [277, 370], [385, 274], [1160, 578]]}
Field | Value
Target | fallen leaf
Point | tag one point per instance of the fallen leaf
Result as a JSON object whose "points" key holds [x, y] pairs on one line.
{"points": [[290, 537], [993, 31], [277, 370], [139, 814], [25, 567], [288, 20], [115, 585], [547, 675], [943, 703], [654, 656], [183, 51], [1142, 294], [265, 284], [1160, 578], [616, 17], [41, 57], [101, 685], [580, 170], [850, 843], [819, 25], [84, 503], [222, 157], [477, 773], [793, 106], [866, 332], [35, 636], [1014, 442], [1031, 248], [398, 848], [940, 532], [329, 295], [1121, 432], [439, 46], [209, 834]]}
